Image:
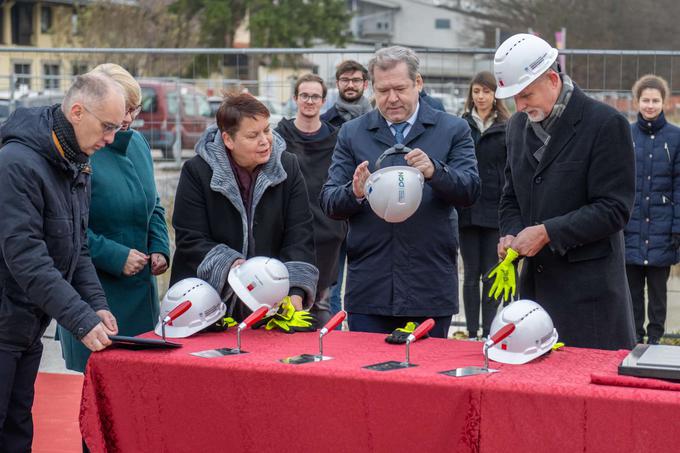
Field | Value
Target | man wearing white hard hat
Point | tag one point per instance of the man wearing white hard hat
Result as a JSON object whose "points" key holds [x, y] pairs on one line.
{"points": [[401, 250], [570, 186]]}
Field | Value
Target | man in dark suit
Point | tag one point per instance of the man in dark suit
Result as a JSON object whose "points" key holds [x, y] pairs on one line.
{"points": [[401, 271], [570, 186]]}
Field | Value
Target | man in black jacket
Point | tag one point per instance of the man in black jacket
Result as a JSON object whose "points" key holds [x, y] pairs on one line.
{"points": [[570, 186], [45, 267], [312, 141]]}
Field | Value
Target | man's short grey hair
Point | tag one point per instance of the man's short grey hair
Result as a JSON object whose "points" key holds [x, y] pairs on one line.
{"points": [[388, 57], [90, 89]]}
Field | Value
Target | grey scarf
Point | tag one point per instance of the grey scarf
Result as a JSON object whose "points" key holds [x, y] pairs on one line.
{"points": [[351, 110], [543, 129]]}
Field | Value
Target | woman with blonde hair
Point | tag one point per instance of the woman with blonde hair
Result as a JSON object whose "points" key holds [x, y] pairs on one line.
{"points": [[127, 233], [653, 231], [478, 224]]}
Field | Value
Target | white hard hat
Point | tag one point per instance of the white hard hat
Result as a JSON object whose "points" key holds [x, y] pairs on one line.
{"points": [[260, 281], [394, 193], [520, 60], [533, 336], [206, 308]]}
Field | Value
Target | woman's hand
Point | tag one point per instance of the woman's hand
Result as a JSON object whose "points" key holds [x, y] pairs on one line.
{"points": [[136, 261], [158, 264], [297, 302]]}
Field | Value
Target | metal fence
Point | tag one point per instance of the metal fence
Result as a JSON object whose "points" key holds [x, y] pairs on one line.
{"points": [[182, 86]]}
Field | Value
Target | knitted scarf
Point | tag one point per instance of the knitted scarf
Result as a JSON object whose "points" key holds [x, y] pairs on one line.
{"points": [[67, 139], [543, 129], [351, 110]]}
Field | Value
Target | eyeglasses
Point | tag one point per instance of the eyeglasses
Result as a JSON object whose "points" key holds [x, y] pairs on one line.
{"points": [[134, 111], [107, 127], [310, 97], [346, 81]]}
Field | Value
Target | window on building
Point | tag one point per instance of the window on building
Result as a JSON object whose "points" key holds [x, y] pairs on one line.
{"points": [[51, 79], [79, 68], [45, 19], [22, 24], [442, 24], [22, 76]]}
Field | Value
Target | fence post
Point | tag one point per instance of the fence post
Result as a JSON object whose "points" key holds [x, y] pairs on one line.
{"points": [[177, 147]]}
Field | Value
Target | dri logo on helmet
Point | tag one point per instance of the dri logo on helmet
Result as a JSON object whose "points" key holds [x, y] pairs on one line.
{"points": [[402, 185]]}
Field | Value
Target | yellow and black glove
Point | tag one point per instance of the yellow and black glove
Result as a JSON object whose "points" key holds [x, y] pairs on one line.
{"points": [[288, 320], [400, 334], [222, 324], [504, 279]]}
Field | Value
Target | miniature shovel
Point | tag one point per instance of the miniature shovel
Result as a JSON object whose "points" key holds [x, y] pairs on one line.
{"points": [[249, 321], [421, 330], [474, 370], [306, 358]]}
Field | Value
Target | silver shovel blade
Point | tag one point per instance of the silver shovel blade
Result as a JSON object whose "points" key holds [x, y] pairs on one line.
{"points": [[212, 353], [304, 358], [387, 366], [468, 371]]}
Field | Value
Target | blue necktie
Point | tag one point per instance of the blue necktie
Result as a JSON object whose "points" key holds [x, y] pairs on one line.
{"points": [[399, 131]]}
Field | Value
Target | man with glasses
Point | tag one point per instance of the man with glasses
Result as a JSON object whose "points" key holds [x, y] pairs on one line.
{"points": [[399, 272], [45, 268], [312, 140], [351, 78]]}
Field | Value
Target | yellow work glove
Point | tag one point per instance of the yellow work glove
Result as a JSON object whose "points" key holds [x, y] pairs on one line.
{"points": [[503, 275], [288, 320]]}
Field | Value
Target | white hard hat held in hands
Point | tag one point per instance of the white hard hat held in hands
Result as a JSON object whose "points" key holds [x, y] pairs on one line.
{"points": [[520, 60], [394, 193], [260, 281], [534, 333], [205, 308]]}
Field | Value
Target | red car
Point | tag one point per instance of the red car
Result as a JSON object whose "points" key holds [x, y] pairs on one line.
{"points": [[161, 110]]}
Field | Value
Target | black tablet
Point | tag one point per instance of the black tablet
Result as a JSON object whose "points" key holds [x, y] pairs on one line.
{"points": [[142, 343]]}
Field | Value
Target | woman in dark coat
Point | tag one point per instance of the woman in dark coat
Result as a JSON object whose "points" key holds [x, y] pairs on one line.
{"points": [[127, 233], [240, 197], [653, 232], [478, 224]]}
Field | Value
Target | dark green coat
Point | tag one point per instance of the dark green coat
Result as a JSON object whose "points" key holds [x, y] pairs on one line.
{"points": [[125, 213]]}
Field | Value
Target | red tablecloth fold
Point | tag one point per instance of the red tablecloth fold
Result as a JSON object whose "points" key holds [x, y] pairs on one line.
{"points": [[633, 381]]}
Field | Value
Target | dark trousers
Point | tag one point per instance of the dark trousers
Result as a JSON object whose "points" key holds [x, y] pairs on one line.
{"points": [[335, 299], [656, 278], [18, 371], [359, 322], [478, 247]]}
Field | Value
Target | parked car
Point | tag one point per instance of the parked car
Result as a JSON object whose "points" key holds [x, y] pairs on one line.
{"points": [[162, 104]]}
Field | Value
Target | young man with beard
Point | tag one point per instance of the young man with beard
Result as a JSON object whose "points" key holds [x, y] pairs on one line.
{"points": [[312, 141], [351, 78]]}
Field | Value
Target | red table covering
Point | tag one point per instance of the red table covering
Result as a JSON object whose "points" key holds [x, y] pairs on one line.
{"points": [[170, 401]]}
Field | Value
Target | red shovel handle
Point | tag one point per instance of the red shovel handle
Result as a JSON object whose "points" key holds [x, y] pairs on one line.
{"points": [[422, 329], [178, 311], [254, 317], [335, 320], [503, 333]]}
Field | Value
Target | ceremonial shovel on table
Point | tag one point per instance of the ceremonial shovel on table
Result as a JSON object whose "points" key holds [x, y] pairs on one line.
{"points": [[249, 321], [421, 330], [306, 358], [474, 370]]}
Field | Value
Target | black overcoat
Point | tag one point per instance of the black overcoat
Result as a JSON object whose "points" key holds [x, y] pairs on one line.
{"points": [[582, 191]]}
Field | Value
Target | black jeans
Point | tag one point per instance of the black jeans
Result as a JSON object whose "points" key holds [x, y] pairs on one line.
{"points": [[478, 247], [656, 278], [18, 371]]}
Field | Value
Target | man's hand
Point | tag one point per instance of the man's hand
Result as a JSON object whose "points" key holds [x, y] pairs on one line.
{"points": [[530, 240], [297, 302], [503, 245], [417, 158], [97, 338], [158, 264], [361, 174], [109, 321], [237, 263], [136, 261]]}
